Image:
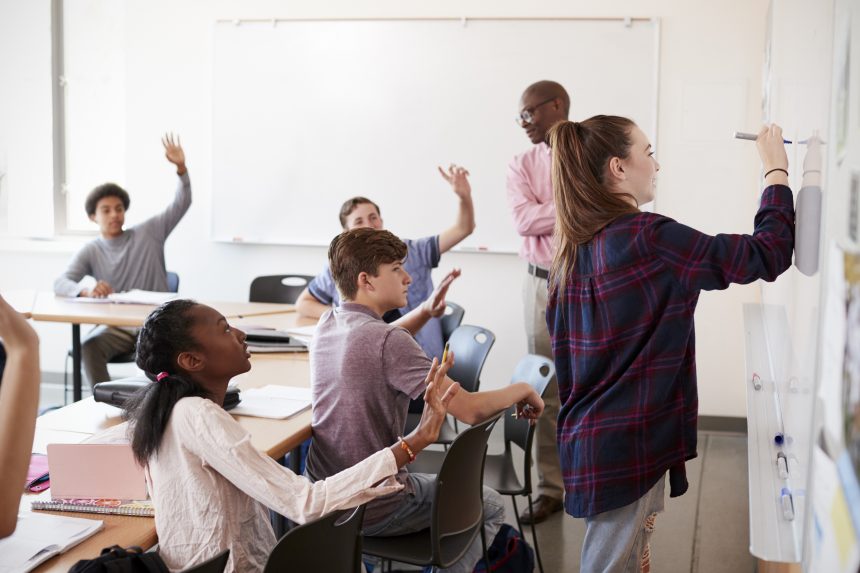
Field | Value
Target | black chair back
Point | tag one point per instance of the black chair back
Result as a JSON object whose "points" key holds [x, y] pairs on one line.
{"points": [[471, 345], [331, 543], [215, 565], [278, 288], [452, 318], [458, 506]]}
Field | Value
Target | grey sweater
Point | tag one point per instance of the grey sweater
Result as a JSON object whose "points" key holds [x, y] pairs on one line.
{"points": [[135, 259]]}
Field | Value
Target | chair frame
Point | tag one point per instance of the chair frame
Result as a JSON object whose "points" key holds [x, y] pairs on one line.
{"points": [[521, 433], [324, 527], [271, 288], [448, 521]]}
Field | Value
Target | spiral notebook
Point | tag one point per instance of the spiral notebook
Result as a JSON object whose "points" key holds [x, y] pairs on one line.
{"points": [[140, 508], [95, 478]]}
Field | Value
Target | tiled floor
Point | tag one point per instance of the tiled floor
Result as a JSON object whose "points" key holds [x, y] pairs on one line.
{"points": [[704, 531]]}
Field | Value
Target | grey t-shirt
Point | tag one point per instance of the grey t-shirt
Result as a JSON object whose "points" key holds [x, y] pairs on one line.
{"points": [[135, 259], [422, 257], [363, 374]]}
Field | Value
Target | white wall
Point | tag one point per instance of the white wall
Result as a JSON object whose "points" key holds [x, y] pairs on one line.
{"points": [[711, 61]]}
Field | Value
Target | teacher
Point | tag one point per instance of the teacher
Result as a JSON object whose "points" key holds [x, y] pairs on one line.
{"points": [[530, 197]]}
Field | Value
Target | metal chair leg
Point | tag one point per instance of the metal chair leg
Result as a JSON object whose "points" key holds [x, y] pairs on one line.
{"points": [[534, 535], [484, 545], [517, 515]]}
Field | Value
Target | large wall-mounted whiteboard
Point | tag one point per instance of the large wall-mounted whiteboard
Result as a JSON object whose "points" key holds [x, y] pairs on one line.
{"points": [[309, 113]]}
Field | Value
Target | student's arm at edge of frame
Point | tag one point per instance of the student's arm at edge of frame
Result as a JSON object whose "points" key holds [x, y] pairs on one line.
{"points": [[19, 400]]}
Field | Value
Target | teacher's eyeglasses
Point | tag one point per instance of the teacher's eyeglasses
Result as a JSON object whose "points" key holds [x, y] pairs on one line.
{"points": [[527, 115]]}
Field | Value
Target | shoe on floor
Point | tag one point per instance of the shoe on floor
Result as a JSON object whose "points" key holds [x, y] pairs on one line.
{"points": [[544, 506]]}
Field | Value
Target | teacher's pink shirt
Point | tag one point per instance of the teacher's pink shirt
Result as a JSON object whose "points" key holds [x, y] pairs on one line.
{"points": [[532, 204]]}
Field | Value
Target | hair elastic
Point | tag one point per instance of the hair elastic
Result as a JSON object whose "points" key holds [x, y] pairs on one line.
{"points": [[776, 169], [161, 376]]}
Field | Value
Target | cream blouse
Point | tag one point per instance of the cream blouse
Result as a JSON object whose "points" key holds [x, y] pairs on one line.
{"points": [[211, 488]]}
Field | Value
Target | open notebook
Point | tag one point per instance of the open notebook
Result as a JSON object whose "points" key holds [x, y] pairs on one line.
{"points": [[273, 401], [38, 537]]}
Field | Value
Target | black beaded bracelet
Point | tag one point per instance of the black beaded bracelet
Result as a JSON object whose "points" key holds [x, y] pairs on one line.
{"points": [[776, 169]]}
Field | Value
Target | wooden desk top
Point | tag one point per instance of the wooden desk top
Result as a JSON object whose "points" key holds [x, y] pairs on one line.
{"points": [[122, 530], [50, 308], [21, 300]]}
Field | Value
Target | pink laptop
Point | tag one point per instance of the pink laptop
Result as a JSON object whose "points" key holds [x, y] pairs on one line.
{"points": [[101, 471]]}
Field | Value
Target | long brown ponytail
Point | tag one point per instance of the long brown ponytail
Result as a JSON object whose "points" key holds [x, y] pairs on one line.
{"points": [[584, 203]]}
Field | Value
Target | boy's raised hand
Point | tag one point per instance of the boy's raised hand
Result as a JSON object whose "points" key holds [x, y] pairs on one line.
{"points": [[458, 178], [435, 303], [173, 152]]}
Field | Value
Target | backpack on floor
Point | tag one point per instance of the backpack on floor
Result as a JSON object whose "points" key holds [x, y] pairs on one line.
{"points": [[115, 559], [509, 553]]}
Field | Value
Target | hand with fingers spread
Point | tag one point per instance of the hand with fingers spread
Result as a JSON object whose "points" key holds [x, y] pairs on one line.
{"points": [[435, 303], [174, 153], [458, 178], [435, 405]]}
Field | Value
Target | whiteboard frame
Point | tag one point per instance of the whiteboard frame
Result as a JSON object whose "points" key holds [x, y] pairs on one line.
{"points": [[628, 20]]}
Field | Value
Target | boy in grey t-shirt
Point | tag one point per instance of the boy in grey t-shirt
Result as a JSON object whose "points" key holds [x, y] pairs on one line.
{"points": [[364, 371], [122, 259]]}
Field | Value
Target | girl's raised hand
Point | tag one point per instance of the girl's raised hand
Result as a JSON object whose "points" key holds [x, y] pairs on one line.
{"points": [[435, 404], [16, 333]]}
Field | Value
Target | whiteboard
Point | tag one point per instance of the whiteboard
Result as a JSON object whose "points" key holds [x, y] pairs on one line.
{"points": [[309, 113]]}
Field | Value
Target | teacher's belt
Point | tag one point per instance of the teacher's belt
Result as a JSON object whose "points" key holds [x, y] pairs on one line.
{"points": [[538, 272]]}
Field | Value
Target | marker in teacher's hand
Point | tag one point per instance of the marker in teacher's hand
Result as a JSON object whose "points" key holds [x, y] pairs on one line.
{"points": [[753, 137]]}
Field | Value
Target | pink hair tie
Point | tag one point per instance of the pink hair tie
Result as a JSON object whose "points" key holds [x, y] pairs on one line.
{"points": [[161, 376]]}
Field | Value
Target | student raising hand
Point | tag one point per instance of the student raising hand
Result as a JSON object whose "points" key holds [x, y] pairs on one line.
{"points": [[458, 178], [435, 303], [19, 398], [434, 414], [173, 152]]}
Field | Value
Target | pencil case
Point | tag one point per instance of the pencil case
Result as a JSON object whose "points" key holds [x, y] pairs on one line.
{"points": [[116, 392]]}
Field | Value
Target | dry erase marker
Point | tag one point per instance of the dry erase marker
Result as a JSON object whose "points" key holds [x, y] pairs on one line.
{"points": [[779, 437], [787, 504], [753, 137]]}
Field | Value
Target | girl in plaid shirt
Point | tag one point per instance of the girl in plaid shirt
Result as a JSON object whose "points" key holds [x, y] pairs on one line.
{"points": [[622, 293]]}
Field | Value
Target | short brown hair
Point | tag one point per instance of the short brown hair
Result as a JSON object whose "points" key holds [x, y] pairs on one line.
{"points": [[349, 206], [361, 251]]}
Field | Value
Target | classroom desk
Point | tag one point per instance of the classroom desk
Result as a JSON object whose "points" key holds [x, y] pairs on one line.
{"points": [[87, 417], [50, 308], [21, 300]]}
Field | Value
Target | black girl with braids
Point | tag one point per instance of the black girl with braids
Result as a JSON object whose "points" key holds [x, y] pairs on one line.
{"points": [[209, 485]]}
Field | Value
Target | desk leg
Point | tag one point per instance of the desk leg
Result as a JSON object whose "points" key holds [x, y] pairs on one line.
{"points": [[77, 384]]}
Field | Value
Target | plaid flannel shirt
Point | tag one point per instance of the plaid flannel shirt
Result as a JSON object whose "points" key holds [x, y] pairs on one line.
{"points": [[623, 340]]}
